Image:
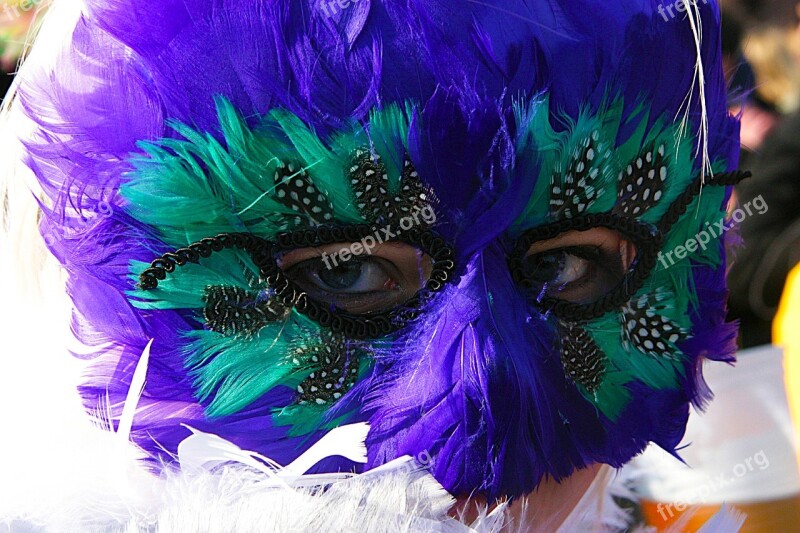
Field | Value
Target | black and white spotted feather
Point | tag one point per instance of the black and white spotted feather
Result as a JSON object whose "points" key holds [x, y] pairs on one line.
{"points": [[369, 181], [295, 189], [334, 363], [234, 311], [413, 196], [647, 329], [584, 362], [575, 187], [642, 182], [370, 184]]}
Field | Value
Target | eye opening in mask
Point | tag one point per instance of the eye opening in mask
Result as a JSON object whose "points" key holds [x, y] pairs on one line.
{"points": [[375, 279], [578, 266], [583, 267], [646, 238], [426, 263], [266, 256]]}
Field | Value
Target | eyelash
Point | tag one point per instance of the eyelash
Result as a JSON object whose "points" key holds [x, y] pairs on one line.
{"points": [[603, 266], [310, 267], [644, 238]]}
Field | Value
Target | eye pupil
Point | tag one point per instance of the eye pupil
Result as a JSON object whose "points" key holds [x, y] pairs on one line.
{"points": [[361, 284], [542, 268], [579, 267], [341, 276]]}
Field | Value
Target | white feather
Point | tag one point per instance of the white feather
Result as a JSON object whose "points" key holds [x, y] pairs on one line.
{"points": [[699, 80], [727, 520], [345, 441], [203, 452], [133, 396]]}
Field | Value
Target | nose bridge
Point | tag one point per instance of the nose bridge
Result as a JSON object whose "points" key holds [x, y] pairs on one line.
{"points": [[503, 311], [467, 388]]}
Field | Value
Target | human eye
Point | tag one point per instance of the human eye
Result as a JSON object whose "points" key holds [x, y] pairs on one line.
{"points": [[385, 278], [578, 266]]}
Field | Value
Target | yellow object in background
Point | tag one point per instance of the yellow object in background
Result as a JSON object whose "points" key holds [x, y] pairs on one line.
{"points": [[16, 20], [786, 334], [756, 413]]}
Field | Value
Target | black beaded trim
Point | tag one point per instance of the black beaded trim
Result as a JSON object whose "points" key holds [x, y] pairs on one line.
{"points": [[646, 237], [264, 254], [169, 262], [681, 203]]}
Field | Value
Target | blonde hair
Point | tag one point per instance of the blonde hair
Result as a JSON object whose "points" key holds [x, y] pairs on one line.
{"points": [[774, 54]]}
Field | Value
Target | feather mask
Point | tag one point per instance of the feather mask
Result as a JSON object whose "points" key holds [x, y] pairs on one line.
{"points": [[455, 221]]}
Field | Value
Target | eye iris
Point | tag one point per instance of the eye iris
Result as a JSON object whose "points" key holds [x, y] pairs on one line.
{"points": [[342, 276], [542, 268]]}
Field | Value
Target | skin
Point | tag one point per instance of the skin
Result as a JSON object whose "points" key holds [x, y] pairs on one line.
{"points": [[541, 511], [546, 508]]}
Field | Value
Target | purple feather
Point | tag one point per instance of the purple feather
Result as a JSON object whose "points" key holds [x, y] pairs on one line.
{"points": [[477, 383]]}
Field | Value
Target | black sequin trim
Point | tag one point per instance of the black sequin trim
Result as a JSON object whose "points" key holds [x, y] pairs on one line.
{"points": [[646, 237], [264, 254]]}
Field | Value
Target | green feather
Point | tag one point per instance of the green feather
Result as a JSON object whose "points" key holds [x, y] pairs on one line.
{"points": [[537, 147], [388, 131], [327, 169], [185, 289], [232, 372]]}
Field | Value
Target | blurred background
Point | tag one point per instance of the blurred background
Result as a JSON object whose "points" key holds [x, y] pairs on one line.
{"points": [[16, 21], [761, 46]]}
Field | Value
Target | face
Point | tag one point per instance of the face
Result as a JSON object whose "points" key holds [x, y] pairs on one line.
{"points": [[466, 229], [359, 293]]}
